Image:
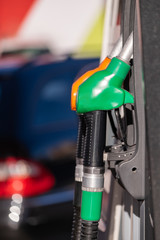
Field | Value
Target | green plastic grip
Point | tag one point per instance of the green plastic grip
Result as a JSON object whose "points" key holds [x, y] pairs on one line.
{"points": [[91, 206], [103, 90]]}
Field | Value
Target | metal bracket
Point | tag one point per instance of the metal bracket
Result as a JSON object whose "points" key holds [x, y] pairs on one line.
{"points": [[117, 155]]}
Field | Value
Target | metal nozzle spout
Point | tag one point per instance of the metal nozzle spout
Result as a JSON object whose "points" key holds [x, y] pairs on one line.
{"points": [[127, 50], [117, 48]]}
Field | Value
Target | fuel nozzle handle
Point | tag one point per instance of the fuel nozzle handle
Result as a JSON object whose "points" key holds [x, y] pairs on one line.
{"points": [[93, 173], [94, 139]]}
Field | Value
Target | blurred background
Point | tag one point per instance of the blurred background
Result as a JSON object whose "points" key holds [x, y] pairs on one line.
{"points": [[45, 45]]}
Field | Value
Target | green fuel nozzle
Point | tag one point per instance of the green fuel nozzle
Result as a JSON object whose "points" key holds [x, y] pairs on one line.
{"points": [[98, 94], [76, 226], [103, 90]]}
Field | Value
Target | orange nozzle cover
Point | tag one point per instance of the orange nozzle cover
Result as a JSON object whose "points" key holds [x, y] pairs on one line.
{"points": [[83, 78]]}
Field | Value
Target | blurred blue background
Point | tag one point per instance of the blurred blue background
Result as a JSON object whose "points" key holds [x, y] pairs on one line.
{"points": [[45, 45]]}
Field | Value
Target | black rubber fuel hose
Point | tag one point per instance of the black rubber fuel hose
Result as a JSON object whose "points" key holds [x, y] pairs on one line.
{"points": [[76, 224]]}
